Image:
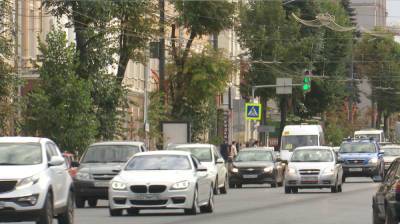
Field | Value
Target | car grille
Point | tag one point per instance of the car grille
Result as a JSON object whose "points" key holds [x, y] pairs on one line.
{"points": [[251, 170], [6, 186], [149, 202], [141, 189], [309, 172], [355, 161], [107, 176]]}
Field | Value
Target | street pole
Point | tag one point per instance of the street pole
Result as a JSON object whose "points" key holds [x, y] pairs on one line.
{"points": [[162, 47], [146, 104]]}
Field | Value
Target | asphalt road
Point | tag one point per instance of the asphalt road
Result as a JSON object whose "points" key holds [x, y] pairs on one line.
{"points": [[261, 204]]}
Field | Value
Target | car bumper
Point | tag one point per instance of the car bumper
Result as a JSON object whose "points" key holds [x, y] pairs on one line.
{"points": [[88, 189], [12, 215], [260, 178], [360, 171], [305, 181], [180, 199]]}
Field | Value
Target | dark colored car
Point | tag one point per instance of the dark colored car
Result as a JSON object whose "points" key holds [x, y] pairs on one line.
{"points": [[362, 158], [386, 201], [256, 166]]}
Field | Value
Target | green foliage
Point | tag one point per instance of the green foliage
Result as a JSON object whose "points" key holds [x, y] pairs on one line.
{"points": [[60, 107], [158, 112]]}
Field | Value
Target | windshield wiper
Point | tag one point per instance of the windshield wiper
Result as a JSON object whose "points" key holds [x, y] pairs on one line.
{"points": [[117, 161], [93, 161], [11, 164]]}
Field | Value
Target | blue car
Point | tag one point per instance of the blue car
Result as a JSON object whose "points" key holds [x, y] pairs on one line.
{"points": [[361, 158]]}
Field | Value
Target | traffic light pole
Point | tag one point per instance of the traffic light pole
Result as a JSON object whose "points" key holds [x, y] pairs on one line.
{"points": [[254, 88]]}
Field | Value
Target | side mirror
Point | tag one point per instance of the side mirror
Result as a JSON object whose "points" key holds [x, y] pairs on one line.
{"points": [[220, 161], [56, 161], [201, 168], [75, 164]]}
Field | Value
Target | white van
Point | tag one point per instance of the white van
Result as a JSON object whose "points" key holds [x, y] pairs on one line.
{"points": [[294, 136], [378, 135]]}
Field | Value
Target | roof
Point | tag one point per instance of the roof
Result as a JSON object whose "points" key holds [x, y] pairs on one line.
{"points": [[301, 130], [19, 139], [390, 146], [265, 149], [371, 131], [164, 152], [314, 147], [117, 143], [190, 145]]}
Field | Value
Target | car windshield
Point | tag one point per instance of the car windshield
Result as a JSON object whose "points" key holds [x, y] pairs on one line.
{"points": [[292, 142], [203, 154], [312, 155], [20, 154], [159, 162], [392, 151], [357, 147], [109, 153], [249, 156], [376, 137]]}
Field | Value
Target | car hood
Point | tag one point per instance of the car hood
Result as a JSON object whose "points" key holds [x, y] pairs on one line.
{"points": [[311, 165], [357, 155], [154, 176], [389, 159], [100, 168], [19, 172], [252, 164]]}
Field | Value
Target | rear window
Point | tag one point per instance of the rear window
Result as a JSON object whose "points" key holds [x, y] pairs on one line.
{"points": [[358, 147], [109, 153]]}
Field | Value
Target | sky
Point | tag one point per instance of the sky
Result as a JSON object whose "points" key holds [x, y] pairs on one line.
{"points": [[393, 9]]}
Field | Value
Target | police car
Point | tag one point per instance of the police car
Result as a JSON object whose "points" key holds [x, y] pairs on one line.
{"points": [[361, 158]]}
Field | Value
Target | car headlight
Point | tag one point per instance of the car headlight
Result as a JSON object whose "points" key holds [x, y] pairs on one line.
{"points": [[235, 170], [27, 182], [268, 169], [180, 185], [118, 185], [373, 161], [329, 171], [82, 176], [292, 170]]}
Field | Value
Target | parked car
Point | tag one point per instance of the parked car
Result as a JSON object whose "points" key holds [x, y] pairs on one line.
{"points": [[362, 158], [210, 157], [256, 166], [313, 167], [386, 201], [98, 165], [69, 161], [162, 179], [390, 153], [34, 182]]}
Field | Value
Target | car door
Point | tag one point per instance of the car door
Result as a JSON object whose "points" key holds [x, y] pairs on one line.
{"points": [[221, 169], [63, 175], [203, 181], [279, 167], [385, 187], [59, 176]]}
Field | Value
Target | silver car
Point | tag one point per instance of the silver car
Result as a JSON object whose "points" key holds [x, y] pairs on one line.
{"points": [[161, 179], [391, 152], [313, 167], [210, 157]]}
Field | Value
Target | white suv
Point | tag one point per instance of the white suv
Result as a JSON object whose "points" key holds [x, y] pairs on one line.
{"points": [[34, 182]]}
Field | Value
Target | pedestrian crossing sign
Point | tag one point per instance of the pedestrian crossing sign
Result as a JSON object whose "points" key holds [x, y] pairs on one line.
{"points": [[253, 111]]}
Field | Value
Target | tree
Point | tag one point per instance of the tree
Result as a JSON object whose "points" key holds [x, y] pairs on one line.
{"points": [[60, 107]]}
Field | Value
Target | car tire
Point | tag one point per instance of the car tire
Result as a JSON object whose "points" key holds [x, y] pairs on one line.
{"points": [[273, 185], [195, 205], [132, 211], [334, 189], [47, 213], [288, 190], [115, 212], [340, 188], [375, 216], [209, 208], [216, 188], [280, 184], [390, 218], [343, 179], [67, 217], [92, 203], [232, 185], [224, 189], [239, 185], [80, 202], [295, 190]]}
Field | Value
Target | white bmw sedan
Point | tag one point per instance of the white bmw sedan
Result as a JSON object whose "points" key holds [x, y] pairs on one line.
{"points": [[161, 179]]}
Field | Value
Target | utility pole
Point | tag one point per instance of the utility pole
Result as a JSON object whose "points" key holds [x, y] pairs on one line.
{"points": [[162, 46], [351, 83]]}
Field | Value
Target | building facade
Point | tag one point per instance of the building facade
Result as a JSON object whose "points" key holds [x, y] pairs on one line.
{"points": [[370, 13]]}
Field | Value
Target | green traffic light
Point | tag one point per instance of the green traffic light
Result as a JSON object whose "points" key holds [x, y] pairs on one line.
{"points": [[306, 87], [306, 84]]}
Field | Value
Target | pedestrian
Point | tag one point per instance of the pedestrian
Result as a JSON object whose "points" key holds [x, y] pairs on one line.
{"points": [[255, 144], [232, 152], [237, 146], [224, 150]]}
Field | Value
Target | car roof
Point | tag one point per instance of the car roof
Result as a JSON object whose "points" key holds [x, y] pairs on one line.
{"points": [[314, 147], [164, 152], [302, 130], [390, 146], [19, 139], [193, 145], [366, 131], [117, 143], [256, 149]]}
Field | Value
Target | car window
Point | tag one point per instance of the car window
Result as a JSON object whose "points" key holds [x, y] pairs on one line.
{"points": [[159, 162], [204, 154], [196, 162], [358, 147], [19, 154], [312, 155], [109, 153], [259, 155], [391, 173]]}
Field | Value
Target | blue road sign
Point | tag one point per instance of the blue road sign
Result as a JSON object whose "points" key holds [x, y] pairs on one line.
{"points": [[253, 111]]}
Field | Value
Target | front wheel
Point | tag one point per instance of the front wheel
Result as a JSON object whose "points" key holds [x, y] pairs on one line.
{"points": [[68, 216], [115, 212], [47, 214], [92, 203], [216, 188], [80, 202], [288, 190], [343, 179], [132, 211], [224, 189], [195, 205], [273, 185], [209, 208]]}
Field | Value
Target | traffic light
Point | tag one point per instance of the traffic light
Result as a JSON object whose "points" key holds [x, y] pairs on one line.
{"points": [[307, 84]]}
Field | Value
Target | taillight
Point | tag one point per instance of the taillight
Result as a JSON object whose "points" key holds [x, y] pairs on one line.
{"points": [[397, 190]]}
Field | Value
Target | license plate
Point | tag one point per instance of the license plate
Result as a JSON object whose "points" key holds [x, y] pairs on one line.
{"points": [[309, 179], [252, 176], [355, 169], [101, 184], [148, 197]]}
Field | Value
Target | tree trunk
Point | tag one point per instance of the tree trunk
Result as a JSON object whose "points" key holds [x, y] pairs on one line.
{"points": [[386, 124], [378, 119], [123, 54], [283, 109], [81, 40], [262, 135]]}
